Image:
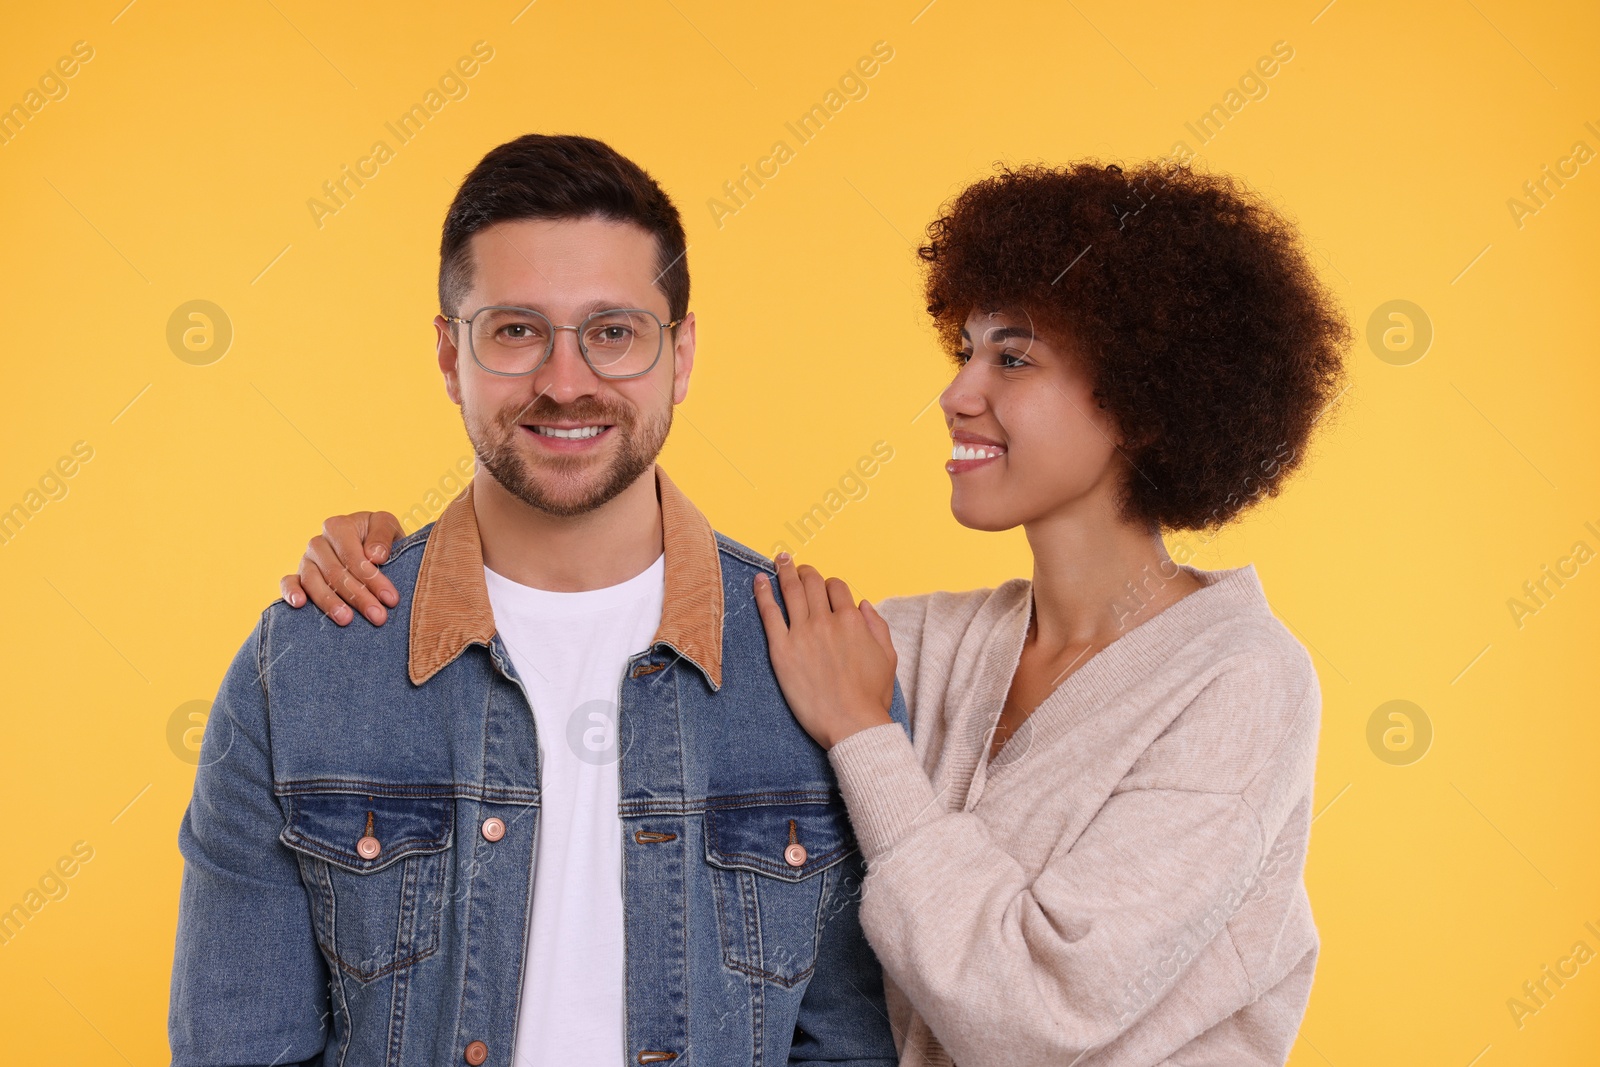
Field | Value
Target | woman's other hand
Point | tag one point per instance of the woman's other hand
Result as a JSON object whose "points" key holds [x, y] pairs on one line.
{"points": [[337, 572], [834, 660]]}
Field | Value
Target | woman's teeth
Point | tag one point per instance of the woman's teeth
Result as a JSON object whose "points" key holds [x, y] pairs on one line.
{"points": [[577, 432], [961, 451]]}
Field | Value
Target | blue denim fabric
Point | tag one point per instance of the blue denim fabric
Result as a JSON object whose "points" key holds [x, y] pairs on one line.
{"points": [[293, 948]]}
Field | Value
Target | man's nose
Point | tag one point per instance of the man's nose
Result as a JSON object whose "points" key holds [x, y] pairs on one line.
{"points": [[565, 375]]}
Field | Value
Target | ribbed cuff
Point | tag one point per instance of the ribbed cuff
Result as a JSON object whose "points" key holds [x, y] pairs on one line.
{"points": [[884, 787]]}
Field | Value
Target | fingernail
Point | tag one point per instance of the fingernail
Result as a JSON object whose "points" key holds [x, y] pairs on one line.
{"points": [[783, 557], [379, 552], [373, 615]]}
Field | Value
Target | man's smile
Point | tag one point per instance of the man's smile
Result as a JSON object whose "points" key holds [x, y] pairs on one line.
{"points": [[577, 437]]}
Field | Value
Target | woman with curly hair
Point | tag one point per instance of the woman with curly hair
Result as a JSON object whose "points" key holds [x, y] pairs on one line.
{"points": [[1090, 849]]}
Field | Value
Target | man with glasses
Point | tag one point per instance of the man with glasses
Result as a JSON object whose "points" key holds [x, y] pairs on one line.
{"points": [[558, 812]]}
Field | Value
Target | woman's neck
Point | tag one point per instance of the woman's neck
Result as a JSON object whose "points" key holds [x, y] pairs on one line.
{"points": [[1096, 576]]}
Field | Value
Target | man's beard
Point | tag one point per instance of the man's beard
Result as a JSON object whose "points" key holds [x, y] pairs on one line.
{"points": [[503, 456]]}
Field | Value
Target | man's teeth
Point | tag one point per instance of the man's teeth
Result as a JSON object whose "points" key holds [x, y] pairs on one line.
{"points": [[960, 451], [578, 432]]}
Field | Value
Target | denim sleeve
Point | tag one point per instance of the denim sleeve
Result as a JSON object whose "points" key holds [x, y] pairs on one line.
{"points": [[843, 1018], [249, 985]]}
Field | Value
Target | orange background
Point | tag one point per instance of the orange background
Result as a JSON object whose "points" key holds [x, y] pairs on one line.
{"points": [[1453, 854]]}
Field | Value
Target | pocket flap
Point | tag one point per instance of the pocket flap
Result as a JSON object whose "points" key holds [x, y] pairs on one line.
{"points": [[754, 837], [328, 826]]}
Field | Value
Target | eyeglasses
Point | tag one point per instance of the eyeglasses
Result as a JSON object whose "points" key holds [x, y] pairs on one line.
{"points": [[513, 341]]}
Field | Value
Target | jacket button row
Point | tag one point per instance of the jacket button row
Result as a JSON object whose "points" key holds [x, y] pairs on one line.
{"points": [[493, 829], [475, 1052]]}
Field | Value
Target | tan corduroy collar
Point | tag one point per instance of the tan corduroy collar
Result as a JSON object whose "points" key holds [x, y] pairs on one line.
{"points": [[450, 608]]}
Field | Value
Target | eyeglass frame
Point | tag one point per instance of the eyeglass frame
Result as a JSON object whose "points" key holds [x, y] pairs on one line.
{"points": [[551, 346]]}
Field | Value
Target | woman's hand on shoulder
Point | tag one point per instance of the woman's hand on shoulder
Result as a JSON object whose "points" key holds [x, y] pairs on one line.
{"points": [[337, 572], [834, 659]]}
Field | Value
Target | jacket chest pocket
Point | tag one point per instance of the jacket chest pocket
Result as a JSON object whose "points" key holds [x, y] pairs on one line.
{"points": [[375, 870], [770, 883]]}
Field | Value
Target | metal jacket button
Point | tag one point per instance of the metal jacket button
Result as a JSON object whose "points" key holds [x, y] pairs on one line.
{"points": [[493, 829], [367, 846], [475, 1052], [795, 854]]}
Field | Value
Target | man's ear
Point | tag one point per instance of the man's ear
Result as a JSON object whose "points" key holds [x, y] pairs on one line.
{"points": [[449, 357], [682, 357]]}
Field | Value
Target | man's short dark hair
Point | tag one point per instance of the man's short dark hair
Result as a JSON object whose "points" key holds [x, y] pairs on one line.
{"points": [[540, 176]]}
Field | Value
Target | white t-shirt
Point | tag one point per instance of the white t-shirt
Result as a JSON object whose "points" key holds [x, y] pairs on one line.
{"points": [[571, 650]]}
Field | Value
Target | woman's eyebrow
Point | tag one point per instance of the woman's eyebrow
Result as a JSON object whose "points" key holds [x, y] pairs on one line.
{"points": [[998, 334]]}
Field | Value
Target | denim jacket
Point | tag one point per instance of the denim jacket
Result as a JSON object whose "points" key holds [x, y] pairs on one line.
{"points": [[344, 902]]}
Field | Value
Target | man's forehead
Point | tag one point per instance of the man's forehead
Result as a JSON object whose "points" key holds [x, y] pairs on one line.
{"points": [[589, 237], [563, 259]]}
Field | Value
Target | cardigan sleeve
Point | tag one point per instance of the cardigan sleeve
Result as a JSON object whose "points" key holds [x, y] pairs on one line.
{"points": [[1064, 963], [906, 616]]}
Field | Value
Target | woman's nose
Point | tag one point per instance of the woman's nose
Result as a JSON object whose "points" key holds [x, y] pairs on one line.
{"points": [[962, 397]]}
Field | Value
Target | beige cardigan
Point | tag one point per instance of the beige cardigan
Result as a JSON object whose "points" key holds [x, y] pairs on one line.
{"points": [[1123, 886]]}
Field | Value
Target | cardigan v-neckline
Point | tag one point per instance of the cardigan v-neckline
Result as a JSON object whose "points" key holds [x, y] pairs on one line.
{"points": [[1127, 658]]}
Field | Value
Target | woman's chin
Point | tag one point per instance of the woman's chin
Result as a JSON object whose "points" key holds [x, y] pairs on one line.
{"points": [[988, 516]]}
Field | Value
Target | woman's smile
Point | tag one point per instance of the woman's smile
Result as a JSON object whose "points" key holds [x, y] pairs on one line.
{"points": [[969, 451]]}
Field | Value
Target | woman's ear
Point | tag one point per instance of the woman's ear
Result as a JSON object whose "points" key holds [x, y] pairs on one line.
{"points": [[1127, 439]]}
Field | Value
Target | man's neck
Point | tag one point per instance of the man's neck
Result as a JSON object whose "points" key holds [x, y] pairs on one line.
{"points": [[568, 554]]}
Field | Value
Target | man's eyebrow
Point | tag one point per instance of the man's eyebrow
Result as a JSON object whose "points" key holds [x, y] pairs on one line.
{"points": [[588, 308]]}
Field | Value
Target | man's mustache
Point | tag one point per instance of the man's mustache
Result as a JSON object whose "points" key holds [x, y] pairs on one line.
{"points": [[541, 411]]}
